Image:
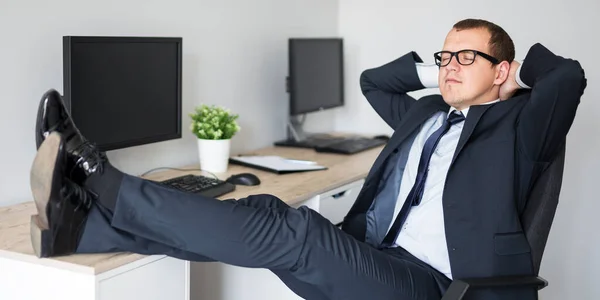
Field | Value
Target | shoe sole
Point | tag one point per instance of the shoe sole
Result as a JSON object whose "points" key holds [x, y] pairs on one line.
{"points": [[42, 172], [38, 233]]}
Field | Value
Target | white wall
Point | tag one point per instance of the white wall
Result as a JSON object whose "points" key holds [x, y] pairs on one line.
{"points": [[378, 31], [234, 54]]}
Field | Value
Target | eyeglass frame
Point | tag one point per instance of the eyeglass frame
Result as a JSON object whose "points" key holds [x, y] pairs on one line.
{"points": [[490, 58]]}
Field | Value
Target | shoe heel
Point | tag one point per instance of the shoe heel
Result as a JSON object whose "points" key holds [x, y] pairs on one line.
{"points": [[41, 174], [40, 237]]}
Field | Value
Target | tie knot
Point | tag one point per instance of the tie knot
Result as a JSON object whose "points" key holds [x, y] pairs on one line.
{"points": [[455, 117]]}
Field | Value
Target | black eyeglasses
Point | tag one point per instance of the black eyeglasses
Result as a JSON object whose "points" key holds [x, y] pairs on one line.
{"points": [[464, 57]]}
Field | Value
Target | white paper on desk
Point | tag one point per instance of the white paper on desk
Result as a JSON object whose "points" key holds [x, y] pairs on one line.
{"points": [[277, 163]]}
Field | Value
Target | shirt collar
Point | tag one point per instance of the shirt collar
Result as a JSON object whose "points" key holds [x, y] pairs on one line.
{"points": [[465, 111]]}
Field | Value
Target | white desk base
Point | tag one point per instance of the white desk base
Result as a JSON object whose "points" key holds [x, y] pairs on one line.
{"points": [[160, 277]]}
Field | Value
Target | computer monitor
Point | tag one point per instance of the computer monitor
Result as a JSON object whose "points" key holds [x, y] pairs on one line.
{"points": [[124, 91], [316, 74]]}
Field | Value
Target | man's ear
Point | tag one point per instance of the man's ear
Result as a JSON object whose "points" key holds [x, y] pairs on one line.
{"points": [[502, 72]]}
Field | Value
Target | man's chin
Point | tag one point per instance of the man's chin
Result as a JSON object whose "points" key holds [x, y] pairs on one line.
{"points": [[453, 100]]}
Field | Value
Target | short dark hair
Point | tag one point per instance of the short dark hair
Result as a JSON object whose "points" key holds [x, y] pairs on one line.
{"points": [[501, 45]]}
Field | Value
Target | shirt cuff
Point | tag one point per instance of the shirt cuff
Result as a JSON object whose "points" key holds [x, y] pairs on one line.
{"points": [[428, 74], [518, 78]]}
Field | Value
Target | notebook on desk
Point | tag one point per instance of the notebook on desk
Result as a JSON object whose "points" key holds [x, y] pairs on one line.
{"points": [[276, 164]]}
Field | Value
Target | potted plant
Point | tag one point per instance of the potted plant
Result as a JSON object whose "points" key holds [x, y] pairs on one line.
{"points": [[214, 127]]}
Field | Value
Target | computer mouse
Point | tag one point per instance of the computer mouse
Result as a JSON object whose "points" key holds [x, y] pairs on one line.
{"points": [[244, 179], [382, 137]]}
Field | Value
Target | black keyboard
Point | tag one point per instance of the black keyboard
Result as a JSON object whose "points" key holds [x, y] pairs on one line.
{"points": [[312, 142], [351, 145], [202, 185]]}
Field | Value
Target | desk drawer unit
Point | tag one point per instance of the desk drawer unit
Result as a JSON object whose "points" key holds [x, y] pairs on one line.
{"points": [[336, 203]]}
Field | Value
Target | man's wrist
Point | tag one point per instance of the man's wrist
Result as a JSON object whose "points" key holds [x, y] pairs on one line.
{"points": [[428, 74], [518, 78]]}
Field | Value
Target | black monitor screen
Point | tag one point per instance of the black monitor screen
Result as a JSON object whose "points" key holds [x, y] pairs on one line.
{"points": [[124, 91], [316, 74]]}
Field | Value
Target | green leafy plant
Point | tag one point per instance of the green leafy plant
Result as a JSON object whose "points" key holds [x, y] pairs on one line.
{"points": [[213, 123]]}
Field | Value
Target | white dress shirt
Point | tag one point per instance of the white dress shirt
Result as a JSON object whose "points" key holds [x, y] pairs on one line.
{"points": [[423, 233]]}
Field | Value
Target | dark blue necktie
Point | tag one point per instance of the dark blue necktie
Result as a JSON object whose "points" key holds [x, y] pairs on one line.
{"points": [[414, 197]]}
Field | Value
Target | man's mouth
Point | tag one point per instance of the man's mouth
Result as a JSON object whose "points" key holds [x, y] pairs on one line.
{"points": [[451, 80]]}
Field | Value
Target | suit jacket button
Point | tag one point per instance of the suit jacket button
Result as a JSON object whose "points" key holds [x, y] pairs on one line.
{"points": [[395, 150]]}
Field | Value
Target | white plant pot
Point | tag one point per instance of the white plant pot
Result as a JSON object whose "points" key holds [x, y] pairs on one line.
{"points": [[214, 155]]}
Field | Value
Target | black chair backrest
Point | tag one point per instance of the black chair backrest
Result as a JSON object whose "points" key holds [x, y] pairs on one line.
{"points": [[541, 206]]}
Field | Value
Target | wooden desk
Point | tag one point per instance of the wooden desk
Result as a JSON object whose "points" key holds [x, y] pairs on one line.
{"points": [[307, 188]]}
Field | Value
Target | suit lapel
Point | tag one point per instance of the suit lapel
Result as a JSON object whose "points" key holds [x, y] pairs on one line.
{"points": [[475, 113], [425, 109]]}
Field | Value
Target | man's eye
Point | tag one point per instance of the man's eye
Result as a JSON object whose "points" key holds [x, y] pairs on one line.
{"points": [[467, 56]]}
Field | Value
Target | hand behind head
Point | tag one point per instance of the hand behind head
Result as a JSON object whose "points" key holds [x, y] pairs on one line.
{"points": [[510, 86]]}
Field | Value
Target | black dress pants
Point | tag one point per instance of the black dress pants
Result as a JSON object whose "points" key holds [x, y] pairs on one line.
{"points": [[314, 258]]}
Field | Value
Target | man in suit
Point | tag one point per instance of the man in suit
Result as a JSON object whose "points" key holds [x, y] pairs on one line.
{"points": [[442, 200]]}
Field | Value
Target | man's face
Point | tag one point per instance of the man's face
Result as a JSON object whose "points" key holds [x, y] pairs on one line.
{"points": [[464, 85]]}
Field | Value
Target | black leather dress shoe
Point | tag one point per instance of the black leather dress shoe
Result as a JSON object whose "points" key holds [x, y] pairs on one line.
{"points": [[51, 116], [62, 205], [83, 158]]}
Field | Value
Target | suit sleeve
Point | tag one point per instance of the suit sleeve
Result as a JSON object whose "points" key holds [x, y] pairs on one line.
{"points": [[557, 86], [385, 87]]}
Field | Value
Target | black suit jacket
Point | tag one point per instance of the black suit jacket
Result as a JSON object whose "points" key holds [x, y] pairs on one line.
{"points": [[501, 150]]}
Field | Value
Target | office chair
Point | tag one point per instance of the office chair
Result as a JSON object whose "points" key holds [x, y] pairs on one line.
{"points": [[536, 219]]}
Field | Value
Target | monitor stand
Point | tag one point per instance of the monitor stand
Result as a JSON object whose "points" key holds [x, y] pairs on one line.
{"points": [[295, 129], [301, 139]]}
